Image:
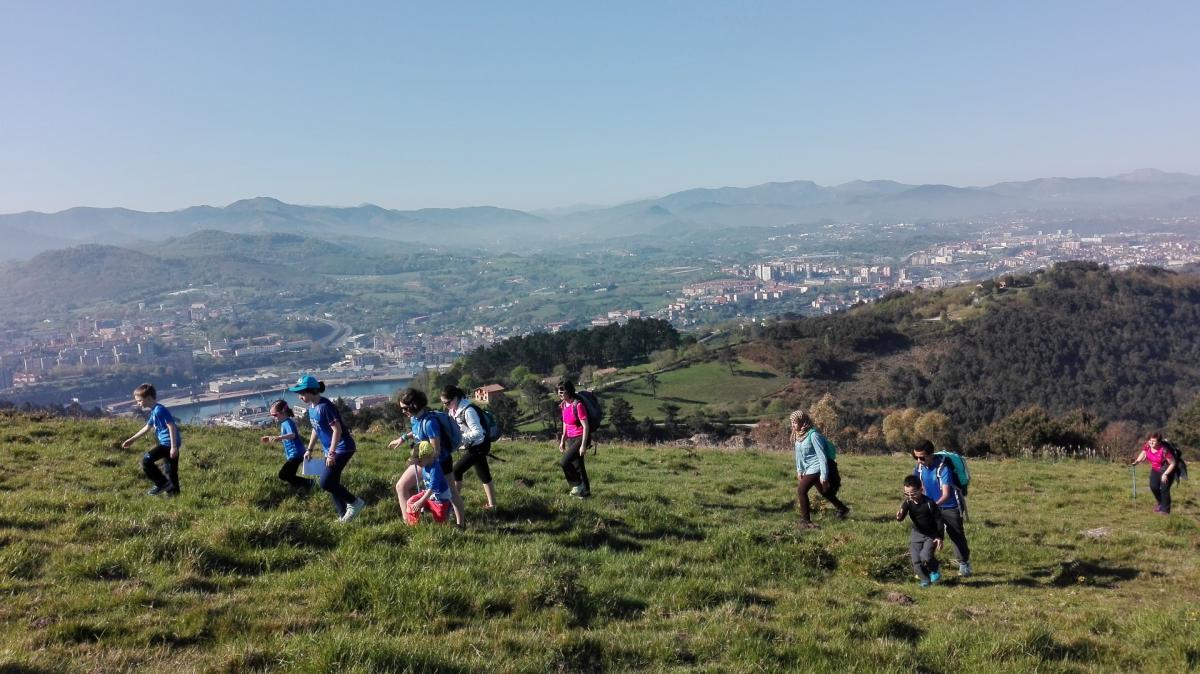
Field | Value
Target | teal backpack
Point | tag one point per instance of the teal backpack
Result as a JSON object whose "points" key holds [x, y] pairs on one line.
{"points": [[959, 467], [830, 448]]}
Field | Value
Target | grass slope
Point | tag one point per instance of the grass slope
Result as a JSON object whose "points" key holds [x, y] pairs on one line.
{"points": [[697, 385], [683, 561]]}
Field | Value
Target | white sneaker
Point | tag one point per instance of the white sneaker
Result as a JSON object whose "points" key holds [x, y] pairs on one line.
{"points": [[353, 509]]}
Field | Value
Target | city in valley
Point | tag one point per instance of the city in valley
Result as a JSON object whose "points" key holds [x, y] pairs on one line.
{"points": [[214, 342]]}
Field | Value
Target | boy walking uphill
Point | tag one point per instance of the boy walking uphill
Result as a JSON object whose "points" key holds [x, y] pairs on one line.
{"points": [[926, 537], [167, 449]]}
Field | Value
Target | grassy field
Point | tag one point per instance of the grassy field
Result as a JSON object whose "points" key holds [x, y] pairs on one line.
{"points": [[697, 385], [683, 561]]}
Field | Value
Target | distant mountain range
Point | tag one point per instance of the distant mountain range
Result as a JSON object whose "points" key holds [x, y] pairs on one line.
{"points": [[1146, 192]]}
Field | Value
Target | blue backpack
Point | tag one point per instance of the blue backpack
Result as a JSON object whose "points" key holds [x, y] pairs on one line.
{"points": [[449, 434]]}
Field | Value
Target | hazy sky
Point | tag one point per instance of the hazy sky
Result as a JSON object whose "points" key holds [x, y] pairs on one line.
{"points": [[161, 105]]}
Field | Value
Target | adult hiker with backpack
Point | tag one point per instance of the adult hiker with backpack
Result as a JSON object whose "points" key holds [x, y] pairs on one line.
{"points": [[941, 483], [816, 466], [442, 433], [478, 429], [575, 440], [1166, 466]]}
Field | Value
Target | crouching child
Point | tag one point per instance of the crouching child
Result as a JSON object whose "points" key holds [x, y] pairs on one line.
{"points": [[927, 530], [435, 495]]}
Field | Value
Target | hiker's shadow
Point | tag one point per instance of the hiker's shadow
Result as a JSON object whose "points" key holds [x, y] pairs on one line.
{"points": [[531, 518]]}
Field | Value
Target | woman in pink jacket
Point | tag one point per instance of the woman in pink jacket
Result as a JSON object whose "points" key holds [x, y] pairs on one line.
{"points": [[1163, 467]]}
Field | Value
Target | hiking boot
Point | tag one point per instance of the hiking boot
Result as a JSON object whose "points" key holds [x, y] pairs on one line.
{"points": [[156, 490], [575, 491], [934, 577], [924, 583], [964, 569], [842, 514], [353, 509], [584, 493], [1158, 508]]}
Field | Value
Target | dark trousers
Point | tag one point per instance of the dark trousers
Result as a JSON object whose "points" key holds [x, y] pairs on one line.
{"points": [[955, 532], [477, 458], [921, 550], [1161, 489], [572, 464], [288, 473], [331, 481], [150, 460], [807, 482]]}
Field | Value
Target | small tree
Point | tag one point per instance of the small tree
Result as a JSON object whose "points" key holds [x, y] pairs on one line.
{"points": [[898, 429], [934, 427], [506, 411], [670, 415], [651, 380], [697, 422], [620, 417], [1120, 440], [825, 415], [771, 434], [728, 358], [1184, 427]]}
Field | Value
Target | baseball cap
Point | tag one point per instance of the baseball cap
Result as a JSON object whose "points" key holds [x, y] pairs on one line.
{"points": [[306, 382]]}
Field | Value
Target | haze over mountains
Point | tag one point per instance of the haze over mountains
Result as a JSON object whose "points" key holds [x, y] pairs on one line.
{"points": [[1142, 193]]}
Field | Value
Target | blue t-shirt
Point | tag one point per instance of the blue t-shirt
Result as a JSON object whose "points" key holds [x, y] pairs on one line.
{"points": [[294, 448], [435, 479], [426, 427], [932, 479], [322, 415], [159, 418]]}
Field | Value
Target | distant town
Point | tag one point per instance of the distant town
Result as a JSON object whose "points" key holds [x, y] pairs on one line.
{"points": [[175, 338]]}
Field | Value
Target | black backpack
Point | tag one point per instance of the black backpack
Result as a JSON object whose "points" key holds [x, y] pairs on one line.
{"points": [[595, 411], [1180, 464]]}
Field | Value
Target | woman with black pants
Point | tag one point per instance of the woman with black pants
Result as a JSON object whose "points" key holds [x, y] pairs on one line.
{"points": [[474, 441], [575, 439]]}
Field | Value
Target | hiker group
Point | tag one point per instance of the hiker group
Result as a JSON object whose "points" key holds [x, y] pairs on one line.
{"points": [[934, 494], [432, 480]]}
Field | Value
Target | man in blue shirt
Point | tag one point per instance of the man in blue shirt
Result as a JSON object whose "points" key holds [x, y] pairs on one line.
{"points": [[939, 484]]}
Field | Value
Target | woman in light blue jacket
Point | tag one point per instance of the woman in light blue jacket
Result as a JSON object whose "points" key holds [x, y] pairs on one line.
{"points": [[815, 466]]}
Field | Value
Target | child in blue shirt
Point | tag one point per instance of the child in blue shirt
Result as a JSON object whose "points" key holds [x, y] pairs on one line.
{"points": [[293, 450], [435, 496], [169, 442]]}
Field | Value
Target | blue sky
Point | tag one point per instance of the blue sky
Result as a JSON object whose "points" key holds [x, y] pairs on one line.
{"points": [[162, 105]]}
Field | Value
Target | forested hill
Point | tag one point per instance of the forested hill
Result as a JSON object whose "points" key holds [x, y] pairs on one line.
{"points": [[1077, 339]]}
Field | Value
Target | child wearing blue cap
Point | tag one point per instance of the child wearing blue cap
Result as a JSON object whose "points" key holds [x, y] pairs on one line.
{"points": [[169, 441], [339, 445]]}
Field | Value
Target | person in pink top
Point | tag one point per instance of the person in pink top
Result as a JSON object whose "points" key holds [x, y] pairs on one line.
{"points": [[1162, 462], [575, 440]]}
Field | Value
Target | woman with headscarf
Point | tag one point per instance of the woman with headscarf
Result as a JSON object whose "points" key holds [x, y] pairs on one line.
{"points": [[815, 466]]}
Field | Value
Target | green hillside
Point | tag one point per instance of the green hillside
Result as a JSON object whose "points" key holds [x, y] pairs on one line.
{"points": [[1076, 341], [683, 561], [704, 385]]}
